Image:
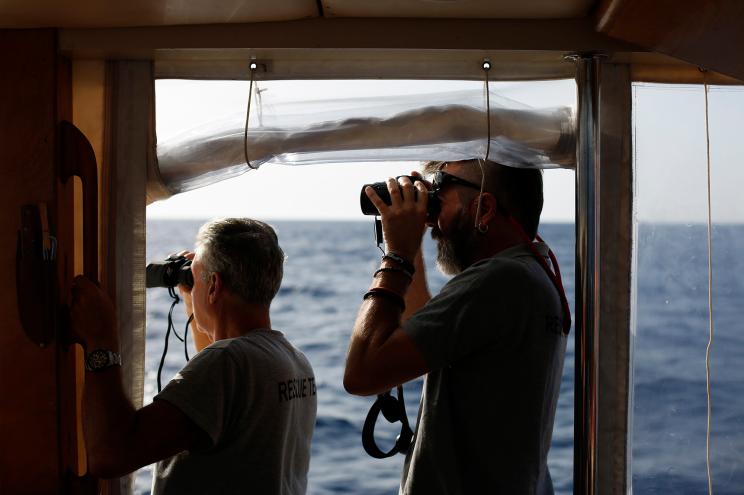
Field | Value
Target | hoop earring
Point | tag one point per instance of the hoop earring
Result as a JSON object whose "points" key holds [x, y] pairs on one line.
{"points": [[482, 228]]}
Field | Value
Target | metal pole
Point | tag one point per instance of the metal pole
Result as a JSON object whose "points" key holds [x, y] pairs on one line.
{"points": [[587, 275]]}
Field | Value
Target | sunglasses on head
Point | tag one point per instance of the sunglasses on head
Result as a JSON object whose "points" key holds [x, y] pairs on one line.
{"points": [[442, 179]]}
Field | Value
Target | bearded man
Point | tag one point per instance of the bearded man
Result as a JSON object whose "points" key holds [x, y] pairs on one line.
{"points": [[491, 344]]}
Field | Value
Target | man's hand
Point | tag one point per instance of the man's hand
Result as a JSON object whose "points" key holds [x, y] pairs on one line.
{"points": [[92, 316], [184, 290], [202, 338], [404, 220]]}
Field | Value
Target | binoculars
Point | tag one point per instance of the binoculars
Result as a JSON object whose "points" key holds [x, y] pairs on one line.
{"points": [[432, 205], [173, 271]]}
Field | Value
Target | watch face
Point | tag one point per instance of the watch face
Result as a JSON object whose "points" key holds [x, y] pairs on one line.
{"points": [[98, 359]]}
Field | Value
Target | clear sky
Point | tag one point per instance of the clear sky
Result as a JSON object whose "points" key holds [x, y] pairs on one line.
{"points": [[669, 138], [670, 153]]}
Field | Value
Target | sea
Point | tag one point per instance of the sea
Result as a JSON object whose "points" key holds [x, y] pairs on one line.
{"points": [[328, 268]]}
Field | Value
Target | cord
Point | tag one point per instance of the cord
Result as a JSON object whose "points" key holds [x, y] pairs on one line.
{"points": [[710, 300], [486, 67], [176, 299], [253, 66], [186, 336], [377, 226]]}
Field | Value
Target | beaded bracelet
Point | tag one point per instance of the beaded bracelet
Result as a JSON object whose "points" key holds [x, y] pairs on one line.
{"points": [[393, 270], [407, 265], [388, 294]]}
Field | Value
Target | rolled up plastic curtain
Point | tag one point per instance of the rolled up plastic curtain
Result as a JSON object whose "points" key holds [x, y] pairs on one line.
{"points": [[445, 126]]}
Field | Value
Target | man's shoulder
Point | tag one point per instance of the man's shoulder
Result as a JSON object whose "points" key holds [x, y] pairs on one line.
{"points": [[249, 340], [510, 276], [497, 269], [502, 263], [262, 346]]}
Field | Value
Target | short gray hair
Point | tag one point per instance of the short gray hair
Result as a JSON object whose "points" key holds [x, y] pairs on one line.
{"points": [[246, 254]]}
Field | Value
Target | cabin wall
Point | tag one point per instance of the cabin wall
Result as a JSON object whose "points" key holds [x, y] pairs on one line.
{"points": [[41, 370], [30, 434]]}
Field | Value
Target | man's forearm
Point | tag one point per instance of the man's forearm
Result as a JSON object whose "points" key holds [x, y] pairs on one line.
{"points": [[378, 318], [381, 314], [108, 415]]}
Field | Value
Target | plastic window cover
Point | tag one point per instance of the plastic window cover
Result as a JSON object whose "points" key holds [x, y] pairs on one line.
{"points": [[201, 124], [670, 311]]}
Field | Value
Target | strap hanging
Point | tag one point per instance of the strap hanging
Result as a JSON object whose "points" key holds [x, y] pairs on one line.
{"points": [[554, 277], [393, 409]]}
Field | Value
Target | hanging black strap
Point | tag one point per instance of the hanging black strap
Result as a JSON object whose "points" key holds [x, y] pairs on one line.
{"points": [[393, 409]]}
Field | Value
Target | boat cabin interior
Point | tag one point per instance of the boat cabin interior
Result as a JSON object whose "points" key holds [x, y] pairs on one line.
{"points": [[80, 154]]}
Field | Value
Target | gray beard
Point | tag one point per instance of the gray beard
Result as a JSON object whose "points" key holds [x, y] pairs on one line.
{"points": [[448, 261], [454, 252]]}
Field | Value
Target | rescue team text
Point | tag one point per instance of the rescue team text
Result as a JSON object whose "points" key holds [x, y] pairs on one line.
{"points": [[296, 388]]}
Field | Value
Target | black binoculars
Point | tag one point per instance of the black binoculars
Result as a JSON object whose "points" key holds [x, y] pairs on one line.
{"points": [[432, 205], [173, 271]]}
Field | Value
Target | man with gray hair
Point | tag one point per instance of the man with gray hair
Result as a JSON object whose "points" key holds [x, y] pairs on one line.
{"points": [[239, 416]]}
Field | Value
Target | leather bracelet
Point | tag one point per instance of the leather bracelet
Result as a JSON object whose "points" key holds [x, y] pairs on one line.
{"points": [[386, 269], [388, 294], [407, 265]]}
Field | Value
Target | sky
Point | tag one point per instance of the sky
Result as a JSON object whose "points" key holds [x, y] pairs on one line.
{"points": [[671, 156], [668, 129]]}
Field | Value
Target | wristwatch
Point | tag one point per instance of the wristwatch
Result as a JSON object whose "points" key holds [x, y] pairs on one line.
{"points": [[100, 359]]}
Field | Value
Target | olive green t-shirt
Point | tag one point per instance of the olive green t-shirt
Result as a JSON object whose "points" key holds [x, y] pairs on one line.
{"points": [[255, 398], [493, 341]]}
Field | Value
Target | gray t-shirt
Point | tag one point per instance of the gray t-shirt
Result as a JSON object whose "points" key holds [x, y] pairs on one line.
{"points": [[255, 398], [494, 343]]}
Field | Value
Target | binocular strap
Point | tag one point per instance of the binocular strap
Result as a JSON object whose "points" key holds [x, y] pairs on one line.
{"points": [[393, 409]]}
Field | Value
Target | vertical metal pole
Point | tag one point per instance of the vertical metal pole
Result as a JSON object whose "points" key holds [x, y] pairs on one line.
{"points": [[587, 275]]}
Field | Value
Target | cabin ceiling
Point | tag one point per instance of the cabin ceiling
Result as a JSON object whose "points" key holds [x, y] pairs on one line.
{"points": [[132, 13], [459, 9], [695, 33]]}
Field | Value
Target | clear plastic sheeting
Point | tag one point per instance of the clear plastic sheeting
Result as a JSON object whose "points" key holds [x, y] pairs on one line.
{"points": [[671, 311], [307, 122]]}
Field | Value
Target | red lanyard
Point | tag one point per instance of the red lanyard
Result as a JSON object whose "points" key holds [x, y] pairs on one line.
{"points": [[554, 277]]}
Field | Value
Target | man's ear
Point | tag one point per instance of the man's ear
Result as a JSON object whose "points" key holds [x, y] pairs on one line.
{"points": [[214, 287], [489, 208]]}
